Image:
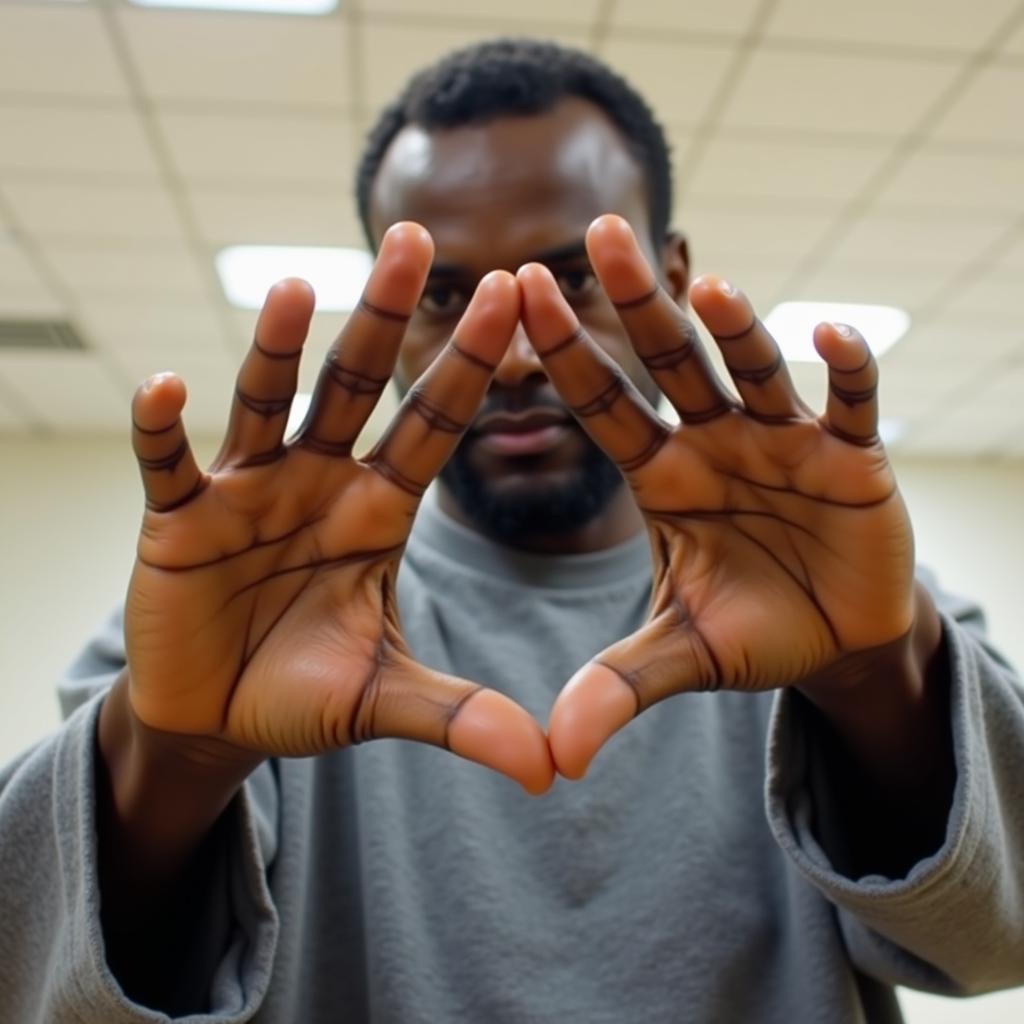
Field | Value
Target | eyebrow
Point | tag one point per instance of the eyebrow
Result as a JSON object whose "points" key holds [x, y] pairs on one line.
{"points": [[559, 254]]}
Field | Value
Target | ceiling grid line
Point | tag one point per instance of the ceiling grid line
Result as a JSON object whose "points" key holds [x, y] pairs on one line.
{"points": [[726, 88], [601, 25], [176, 191]]}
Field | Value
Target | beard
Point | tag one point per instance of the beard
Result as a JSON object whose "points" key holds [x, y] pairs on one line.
{"points": [[512, 514]]}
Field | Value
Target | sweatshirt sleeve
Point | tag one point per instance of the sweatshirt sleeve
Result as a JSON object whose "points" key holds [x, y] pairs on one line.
{"points": [[954, 924], [53, 968]]}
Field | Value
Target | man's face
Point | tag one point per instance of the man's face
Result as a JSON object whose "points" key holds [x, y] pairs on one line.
{"points": [[496, 196]]}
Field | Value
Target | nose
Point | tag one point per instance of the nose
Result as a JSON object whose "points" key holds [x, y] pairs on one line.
{"points": [[520, 361]]}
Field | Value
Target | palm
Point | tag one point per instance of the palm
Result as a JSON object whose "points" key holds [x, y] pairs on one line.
{"points": [[262, 610], [780, 543], [774, 565], [241, 592]]}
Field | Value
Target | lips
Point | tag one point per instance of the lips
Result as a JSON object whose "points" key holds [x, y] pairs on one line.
{"points": [[531, 432]]}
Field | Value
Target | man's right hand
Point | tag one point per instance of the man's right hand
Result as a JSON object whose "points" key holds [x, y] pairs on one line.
{"points": [[261, 617]]}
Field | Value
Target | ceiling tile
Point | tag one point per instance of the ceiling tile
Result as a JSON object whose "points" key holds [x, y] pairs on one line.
{"points": [[679, 80], [66, 390], [761, 168], [107, 269], [95, 211], [1014, 42], [16, 271], [22, 290], [694, 16], [923, 240], [988, 110], [980, 427], [393, 53], [756, 234], [155, 326], [1012, 261], [991, 295], [276, 217], [833, 281], [835, 93], [11, 422], [935, 177], [910, 23], [57, 51], [64, 141], [248, 58], [581, 13], [243, 148]]}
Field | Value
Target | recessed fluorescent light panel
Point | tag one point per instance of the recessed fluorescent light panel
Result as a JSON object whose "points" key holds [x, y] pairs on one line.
{"points": [[337, 275], [792, 325], [271, 6]]}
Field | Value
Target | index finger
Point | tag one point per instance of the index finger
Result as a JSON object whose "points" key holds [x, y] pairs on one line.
{"points": [[604, 400], [441, 405]]}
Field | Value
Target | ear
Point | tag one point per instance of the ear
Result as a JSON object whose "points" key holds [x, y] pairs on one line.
{"points": [[675, 265]]}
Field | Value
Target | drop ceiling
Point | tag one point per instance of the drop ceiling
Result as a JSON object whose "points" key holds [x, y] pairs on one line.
{"points": [[867, 152]]}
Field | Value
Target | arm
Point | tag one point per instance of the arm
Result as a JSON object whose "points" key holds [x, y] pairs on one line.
{"points": [[951, 921], [783, 559], [260, 623], [162, 846]]}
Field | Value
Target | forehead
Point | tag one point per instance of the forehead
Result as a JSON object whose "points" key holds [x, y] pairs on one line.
{"points": [[496, 192]]}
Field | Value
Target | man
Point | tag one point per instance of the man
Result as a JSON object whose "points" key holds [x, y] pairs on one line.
{"points": [[204, 839]]}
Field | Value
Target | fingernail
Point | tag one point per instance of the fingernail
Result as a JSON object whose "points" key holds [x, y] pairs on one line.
{"points": [[726, 287], [845, 330]]}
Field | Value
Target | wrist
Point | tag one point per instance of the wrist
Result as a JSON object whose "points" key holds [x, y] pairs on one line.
{"points": [[159, 794], [889, 705]]}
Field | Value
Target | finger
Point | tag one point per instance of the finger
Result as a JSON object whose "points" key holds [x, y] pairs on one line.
{"points": [[600, 395], [267, 378], [662, 335], [851, 412], [170, 476], [413, 702], [360, 362], [443, 401], [751, 355], [663, 658]]}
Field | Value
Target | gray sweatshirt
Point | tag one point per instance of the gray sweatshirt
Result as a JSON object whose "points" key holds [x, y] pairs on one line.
{"points": [[682, 880]]}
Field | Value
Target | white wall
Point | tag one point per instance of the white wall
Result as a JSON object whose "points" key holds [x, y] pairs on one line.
{"points": [[70, 510]]}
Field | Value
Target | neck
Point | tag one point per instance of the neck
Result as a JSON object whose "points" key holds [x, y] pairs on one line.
{"points": [[619, 520]]}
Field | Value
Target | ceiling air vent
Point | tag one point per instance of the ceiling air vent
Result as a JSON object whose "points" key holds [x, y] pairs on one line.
{"points": [[37, 335]]}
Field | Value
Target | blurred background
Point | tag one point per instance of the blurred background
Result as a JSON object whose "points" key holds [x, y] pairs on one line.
{"points": [[868, 152]]}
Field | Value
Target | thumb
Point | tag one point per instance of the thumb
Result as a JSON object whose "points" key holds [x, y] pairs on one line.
{"points": [[663, 658], [410, 701]]}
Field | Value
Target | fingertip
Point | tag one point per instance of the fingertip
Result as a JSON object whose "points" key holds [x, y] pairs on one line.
{"points": [[158, 401], [500, 283], [723, 308], [710, 287], [410, 236], [494, 731], [533, 274], [610, 228], [401, 268], [592, 707], [841, 346], [293, 289]]}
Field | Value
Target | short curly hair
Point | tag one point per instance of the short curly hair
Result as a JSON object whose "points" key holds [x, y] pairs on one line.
{"points": [[520, 76]]}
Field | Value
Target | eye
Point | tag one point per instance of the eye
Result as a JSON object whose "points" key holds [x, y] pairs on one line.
{"points": [[576, 284], [442, 300]]}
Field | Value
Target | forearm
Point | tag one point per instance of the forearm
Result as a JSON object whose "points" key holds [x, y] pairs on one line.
{"points": [[159, 799], [887, 744]]}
